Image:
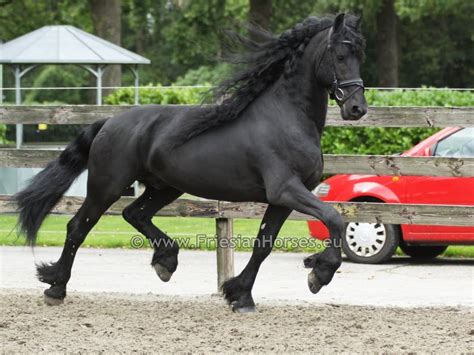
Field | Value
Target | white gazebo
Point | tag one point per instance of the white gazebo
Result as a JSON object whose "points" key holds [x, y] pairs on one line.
{"points": [[65, 45]]}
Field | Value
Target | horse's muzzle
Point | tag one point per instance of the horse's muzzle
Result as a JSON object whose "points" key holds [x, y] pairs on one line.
{"points": [[353, 112]]}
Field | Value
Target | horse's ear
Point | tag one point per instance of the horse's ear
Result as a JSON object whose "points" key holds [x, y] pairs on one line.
{"points": [[338, 23]]}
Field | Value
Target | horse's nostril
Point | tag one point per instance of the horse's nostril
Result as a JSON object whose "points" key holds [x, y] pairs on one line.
{"points": [[356, 110]]}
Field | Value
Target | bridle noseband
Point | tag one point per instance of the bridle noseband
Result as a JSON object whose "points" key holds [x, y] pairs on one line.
{"points": [[336, 91]]}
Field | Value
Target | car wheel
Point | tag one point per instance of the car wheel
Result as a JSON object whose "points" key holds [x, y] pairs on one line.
{"points": [[370, 243], [423, 251]]}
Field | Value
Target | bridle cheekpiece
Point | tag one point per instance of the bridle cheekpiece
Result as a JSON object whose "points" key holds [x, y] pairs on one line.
{"points": [[336, 91]]}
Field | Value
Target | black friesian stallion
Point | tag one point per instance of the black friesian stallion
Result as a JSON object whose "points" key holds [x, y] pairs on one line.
{"points": [[260, 143]]}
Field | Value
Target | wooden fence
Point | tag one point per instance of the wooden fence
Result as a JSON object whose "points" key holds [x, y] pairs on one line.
{"points": [[225, 212]]}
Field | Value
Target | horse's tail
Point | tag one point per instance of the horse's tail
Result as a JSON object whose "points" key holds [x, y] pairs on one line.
{"points": [[47, 187]]}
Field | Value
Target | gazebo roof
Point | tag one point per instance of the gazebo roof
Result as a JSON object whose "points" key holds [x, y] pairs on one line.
{"points": [[65, 45]]}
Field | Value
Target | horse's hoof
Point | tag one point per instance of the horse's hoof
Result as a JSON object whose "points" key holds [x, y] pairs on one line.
{"points": [[52, 299], [249, 309], [162, 272], [313, 283]]}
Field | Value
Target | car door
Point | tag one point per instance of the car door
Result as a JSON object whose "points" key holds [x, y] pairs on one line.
{"points": [[443, 190]]}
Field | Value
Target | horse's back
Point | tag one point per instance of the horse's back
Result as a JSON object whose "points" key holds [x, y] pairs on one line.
{"points": [[125, 140]]}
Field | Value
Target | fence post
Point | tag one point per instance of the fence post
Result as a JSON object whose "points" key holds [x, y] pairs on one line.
{"points": [[225, 252]]}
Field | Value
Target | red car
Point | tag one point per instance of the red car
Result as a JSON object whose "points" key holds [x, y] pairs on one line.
{"points": [[375, 243]]}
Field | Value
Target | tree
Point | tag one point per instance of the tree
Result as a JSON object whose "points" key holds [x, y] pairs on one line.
{"points": [[387, 44], [260, 12], [106, 19]]}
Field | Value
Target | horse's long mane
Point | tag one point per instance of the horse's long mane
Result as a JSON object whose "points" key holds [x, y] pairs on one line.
{"points": [[265, 61]]}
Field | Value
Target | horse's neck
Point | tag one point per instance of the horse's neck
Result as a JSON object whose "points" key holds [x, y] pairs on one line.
{"points": [[305, 96]]}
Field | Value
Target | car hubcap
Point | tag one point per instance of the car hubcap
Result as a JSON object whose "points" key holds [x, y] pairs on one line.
{"points": [[365, 239]]}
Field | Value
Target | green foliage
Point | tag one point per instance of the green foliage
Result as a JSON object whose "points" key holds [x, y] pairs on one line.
{"points": [[180, 37], [434, 35], [415, 10], [205, 75], [3, 134], [160, 95], [59, 76], [372, 140], [423, 97], [377, 140]]}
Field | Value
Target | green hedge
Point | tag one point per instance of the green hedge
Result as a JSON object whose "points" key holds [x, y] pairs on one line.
{"points": [[336, 140], [161, 95], [399, 97], [206, 74], [422, 97], [376, 140]]}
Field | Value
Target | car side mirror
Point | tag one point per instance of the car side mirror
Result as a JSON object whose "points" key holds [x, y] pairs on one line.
{"points": [[427, 152]]}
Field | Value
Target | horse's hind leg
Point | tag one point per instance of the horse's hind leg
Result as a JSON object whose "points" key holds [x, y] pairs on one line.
{"points": [[58, 274], [238, 290], [140, 213]]}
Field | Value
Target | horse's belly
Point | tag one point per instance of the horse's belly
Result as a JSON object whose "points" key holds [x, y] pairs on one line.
{"points": [[214, 177], [218, 188]]}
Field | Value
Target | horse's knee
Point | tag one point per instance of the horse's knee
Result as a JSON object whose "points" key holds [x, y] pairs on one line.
{"points": [[128, 215], [132, 215], [280, 196]]}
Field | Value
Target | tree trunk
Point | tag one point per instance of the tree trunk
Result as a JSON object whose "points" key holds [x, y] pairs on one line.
{"points": [[387, 44], [260, 13], [106, 18]]}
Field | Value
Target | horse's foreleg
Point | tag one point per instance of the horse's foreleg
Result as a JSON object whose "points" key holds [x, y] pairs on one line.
{"points": [[295, 195], [140, 213], [238, 290]]}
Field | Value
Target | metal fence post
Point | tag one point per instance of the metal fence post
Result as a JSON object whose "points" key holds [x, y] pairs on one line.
{"points": [[225, 251]]}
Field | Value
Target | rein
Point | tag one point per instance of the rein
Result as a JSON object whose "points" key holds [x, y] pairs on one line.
{"points": [[336, 92]]}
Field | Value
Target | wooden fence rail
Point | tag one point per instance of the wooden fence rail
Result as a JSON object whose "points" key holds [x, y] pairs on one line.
{"points": [[333, 164], [377, 117], [350, 211]]}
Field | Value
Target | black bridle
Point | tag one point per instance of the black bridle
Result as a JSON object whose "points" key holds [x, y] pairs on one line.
{"points": [[336, 91]]}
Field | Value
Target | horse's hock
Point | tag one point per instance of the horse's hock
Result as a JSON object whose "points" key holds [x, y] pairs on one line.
{"points": [[225, 212]]}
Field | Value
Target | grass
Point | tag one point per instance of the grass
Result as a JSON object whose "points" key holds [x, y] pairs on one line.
{"points": [[191, 233]]}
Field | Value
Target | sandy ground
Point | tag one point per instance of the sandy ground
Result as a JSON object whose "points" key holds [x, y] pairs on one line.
{"points": [[94, 322], [117, 304]]}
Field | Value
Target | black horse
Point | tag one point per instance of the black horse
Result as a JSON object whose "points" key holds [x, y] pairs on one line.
{"points": [[260, 143]]}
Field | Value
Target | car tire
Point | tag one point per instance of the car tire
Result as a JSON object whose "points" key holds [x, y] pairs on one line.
{"points": [[423, 251], [370, 243]]}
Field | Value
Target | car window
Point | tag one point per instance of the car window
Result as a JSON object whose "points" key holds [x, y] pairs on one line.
{"points": [[458, 144]]}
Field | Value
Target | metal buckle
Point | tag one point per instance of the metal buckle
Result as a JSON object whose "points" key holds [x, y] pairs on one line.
{"points": [[339, 94]]}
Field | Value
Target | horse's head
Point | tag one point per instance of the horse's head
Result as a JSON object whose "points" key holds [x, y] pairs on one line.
{"points": [[338, 67]]}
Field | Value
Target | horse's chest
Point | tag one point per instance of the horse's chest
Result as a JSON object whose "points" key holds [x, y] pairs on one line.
{"points": [[309, 161], [304, 158]]}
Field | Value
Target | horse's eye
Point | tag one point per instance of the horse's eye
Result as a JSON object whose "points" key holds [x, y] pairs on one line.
{"points": [[340, 58]]}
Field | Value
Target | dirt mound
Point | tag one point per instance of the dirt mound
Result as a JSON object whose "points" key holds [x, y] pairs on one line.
{"points": [[127, 323]]}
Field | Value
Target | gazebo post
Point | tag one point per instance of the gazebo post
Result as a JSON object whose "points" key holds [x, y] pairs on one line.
{"points": [[19, 127], [134, 71], [18, 75], [98, 72], [98, 75], [137, 84]]}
